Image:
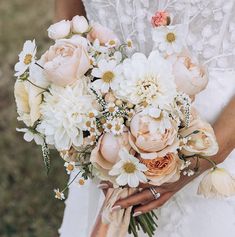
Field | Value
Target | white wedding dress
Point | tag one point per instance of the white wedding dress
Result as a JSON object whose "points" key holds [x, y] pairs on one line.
{"points": [[210, 26]]}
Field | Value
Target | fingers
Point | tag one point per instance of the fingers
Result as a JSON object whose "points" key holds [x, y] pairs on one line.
{"points": [[135, 199], [141, 209]]}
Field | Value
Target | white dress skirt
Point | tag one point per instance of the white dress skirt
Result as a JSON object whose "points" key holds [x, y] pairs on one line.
{"points": [[210, 36]]}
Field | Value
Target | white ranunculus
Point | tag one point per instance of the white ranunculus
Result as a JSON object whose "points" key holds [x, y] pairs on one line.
{"points": [[217, 183], [79, 24], [59, 30]]}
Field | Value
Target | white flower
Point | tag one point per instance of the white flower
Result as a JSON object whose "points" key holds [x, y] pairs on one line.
{"points": [[169, 39], [70, 167], [112, 43], [64, 114], [117, 126], [129, 44], [59, 30], [129, 170], [59, 195], [111, 108], [217, 183], [26, 57], [79, 24], [30, 135], [147, 80], [162, 119], [108, 73]]}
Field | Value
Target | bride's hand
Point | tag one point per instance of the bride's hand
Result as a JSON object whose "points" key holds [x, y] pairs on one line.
{"points": [[144, 200]]}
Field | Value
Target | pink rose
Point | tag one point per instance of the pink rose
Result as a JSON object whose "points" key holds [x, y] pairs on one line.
{"points": [[103, 34], [148, 140], [190, 77], [65, 62], [161, 18], [105, 154]]}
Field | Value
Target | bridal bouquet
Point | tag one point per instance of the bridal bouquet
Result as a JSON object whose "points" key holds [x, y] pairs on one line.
{"points": [[115, 115]]}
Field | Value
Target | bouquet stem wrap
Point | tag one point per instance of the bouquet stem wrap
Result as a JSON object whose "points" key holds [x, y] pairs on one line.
{"points": [[113, 223]]}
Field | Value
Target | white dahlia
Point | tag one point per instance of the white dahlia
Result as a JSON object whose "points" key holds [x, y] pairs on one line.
{"points": [[147, 81], [64, 114]]}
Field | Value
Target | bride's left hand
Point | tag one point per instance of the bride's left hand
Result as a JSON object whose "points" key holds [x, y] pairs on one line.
{"points": [[144, 200]]}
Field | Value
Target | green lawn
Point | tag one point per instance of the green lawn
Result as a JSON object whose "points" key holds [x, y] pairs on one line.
{"points": [[27, 204]]}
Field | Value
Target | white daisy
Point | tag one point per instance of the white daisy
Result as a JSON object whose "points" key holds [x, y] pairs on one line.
{"points": [[169, 39], [108, 73], [112, 43], [30, 135], [70, 167], [59, 195], [147, 81], [26, 57], [129, 170], [117, 126]]}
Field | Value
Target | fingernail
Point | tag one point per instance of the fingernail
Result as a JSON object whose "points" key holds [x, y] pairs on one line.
{"points": [[137, 213], [116, 208], [102, 186]]}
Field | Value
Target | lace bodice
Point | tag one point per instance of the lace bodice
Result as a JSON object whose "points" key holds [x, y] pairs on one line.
{"points": [[209, 25]]}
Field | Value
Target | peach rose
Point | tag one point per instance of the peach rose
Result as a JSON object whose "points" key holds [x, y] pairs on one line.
{"points": [[163, 169], [65, 62], [103, 34], [147, 138], [202, 139], [190, 77], [105, 154]]}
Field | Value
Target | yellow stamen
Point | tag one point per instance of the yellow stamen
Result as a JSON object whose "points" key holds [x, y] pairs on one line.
{"points": [[170, 37], [70, 167], [28, 59], [108, 77], [129, 167]]}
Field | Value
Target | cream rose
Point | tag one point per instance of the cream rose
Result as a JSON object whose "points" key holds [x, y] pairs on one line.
{"points": [[28, 99], [163, 169], [217, 183], [190, 77], [59, 30], [147, 138], [106, 153], [202, 140], [79, 24], [103, 34], [66, 62]]}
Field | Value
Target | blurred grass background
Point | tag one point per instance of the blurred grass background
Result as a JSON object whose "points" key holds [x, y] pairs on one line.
{"points": [[27, 204]]}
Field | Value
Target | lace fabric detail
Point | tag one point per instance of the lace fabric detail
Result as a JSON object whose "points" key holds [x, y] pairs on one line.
{"points": [[210, 25]]}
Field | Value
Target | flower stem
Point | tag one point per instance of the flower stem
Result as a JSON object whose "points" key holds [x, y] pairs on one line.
{"points": [[37, 85], [71, 182]]}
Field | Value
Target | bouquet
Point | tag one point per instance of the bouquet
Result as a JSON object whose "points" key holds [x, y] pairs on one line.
{"points": [[115, 114]]}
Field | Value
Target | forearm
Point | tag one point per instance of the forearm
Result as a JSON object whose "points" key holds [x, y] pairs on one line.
{"points": [[66, 9]]}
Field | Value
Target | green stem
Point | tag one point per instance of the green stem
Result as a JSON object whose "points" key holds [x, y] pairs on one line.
{"points": [[37, 85], [209, 160], [71, 182]]}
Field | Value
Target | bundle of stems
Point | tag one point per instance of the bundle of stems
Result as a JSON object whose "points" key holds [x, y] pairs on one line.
{"points": [[145, 222]]}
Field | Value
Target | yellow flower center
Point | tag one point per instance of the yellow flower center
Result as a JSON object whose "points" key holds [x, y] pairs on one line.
{"points": [[70, 167], [91, 115], [109, 126], [129, 167], [28, 59], [111, 109], [112, 42], [170, 37], [108, 77], [81, 181], [117, 127], [129, 44]]}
